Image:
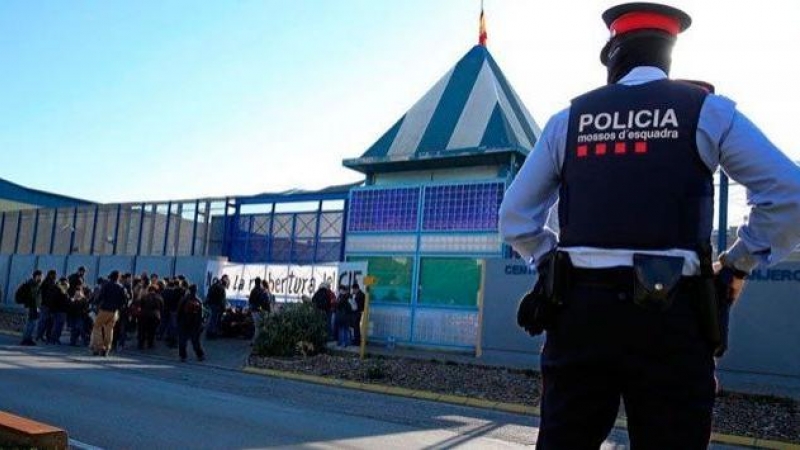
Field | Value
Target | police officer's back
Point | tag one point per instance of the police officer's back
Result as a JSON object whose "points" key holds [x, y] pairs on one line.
{"points": [[628, 304]]}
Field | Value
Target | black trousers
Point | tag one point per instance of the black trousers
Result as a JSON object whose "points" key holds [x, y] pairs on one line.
{"points": [[190, 334], [147, 326], [604, 348]]}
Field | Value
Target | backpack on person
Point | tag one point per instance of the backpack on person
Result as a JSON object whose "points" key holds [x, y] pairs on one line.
{"points": [[193, 307], [23, 293]]}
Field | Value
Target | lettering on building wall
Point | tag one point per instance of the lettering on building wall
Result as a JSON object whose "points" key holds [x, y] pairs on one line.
{"points": [[775, 275], [517, 269]]}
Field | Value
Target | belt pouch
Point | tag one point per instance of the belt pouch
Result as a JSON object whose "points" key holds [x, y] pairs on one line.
{"points": [[657, 277]]}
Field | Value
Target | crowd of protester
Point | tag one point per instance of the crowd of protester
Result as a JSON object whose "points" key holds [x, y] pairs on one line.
{"points": [[343, 311], [103, 315]]}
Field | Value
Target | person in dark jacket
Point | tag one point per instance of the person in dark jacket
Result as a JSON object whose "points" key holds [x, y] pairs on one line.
{"points": [[360, 299], [60, 308], [30, 297], [124, 322], [321, 301], [112, 300], [216, 303], [47, 290], [343, 316], [76, 315], [190, 324], [254, 301], [150, 307], [172, 298], [75, 280]]}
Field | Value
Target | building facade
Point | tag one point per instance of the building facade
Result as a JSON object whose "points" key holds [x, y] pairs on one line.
{"points": [[428, 214]]}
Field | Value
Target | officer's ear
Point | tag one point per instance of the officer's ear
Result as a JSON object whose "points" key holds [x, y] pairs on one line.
{"points": [[604, 52]]}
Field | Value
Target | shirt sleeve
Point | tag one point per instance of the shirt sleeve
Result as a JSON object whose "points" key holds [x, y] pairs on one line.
{"points": [[772, 229], [527, 202]]}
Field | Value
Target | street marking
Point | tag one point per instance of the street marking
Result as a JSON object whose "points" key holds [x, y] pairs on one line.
{"points": [[73, 443]]}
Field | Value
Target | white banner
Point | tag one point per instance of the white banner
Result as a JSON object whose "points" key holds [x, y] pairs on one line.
{"points": [[288, 283]]}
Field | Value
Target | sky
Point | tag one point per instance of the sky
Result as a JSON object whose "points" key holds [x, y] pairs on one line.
{"points": [[116, 101]]}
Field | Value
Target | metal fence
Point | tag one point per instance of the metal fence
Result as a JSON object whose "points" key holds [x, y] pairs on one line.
{"points": [[179, 228]]}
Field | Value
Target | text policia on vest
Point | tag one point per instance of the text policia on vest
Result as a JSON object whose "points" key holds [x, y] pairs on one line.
{"points": [[640, 125]]}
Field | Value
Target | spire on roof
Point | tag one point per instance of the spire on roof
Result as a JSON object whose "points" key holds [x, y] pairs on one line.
{"points": [[482, 35]]}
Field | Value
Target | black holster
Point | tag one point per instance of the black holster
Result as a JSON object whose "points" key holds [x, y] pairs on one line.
{"points": [[539, 307], [713, 305]]}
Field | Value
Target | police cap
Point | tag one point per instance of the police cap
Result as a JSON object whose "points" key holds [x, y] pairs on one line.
{"points": [[639, 16], [629, 17]]}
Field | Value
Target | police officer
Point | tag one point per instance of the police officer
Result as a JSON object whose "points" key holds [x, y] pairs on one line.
{"points": [[631, 165]]}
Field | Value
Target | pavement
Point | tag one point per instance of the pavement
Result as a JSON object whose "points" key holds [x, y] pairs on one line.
{"points": [[231, 355]]}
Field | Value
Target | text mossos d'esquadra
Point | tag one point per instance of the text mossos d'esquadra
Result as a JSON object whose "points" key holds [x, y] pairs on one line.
{"points": [[639, 125]]}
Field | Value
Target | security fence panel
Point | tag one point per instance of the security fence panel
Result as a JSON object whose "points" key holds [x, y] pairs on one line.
{"points": [[185, 229], [216, 234], [64, 229], [148, 225], [173, 223], [84, 230], [123, 230], [201, 236], [9, 244], [26, 232], [131, 233], [282, 237], [329, 240], [258, 240], [304, 238], [159, 230], [44, 231]]}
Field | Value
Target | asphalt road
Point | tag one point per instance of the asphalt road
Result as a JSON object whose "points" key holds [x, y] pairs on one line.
{"points": [[136, 402]]}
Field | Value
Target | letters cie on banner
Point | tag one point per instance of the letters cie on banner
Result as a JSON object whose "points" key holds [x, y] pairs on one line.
{"points": [[288, 283]]}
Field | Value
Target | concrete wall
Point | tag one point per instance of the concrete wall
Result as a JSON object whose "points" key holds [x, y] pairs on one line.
{"points": [[764, 336], [501, 339], [107, 264], [52, 262], [154, 264], [21, 268], [90, 263], [5, 264]]}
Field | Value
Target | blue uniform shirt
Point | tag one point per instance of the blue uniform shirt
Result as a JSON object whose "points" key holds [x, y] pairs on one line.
{"points": [[725, 137]]}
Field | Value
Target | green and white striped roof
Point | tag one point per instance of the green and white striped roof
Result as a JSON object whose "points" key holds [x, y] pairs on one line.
{"points": [[472, 111]]}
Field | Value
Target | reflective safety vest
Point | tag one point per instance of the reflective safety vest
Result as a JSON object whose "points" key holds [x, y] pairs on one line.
{"points": [[632, 176]]}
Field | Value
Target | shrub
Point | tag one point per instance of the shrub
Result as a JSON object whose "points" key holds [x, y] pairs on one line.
{"points": [[297, 329], [375, 370]]}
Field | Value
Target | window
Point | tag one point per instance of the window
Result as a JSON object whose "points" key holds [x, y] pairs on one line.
{"points": [[392, 209], [449, 282], [393, 278], [462, 207]]}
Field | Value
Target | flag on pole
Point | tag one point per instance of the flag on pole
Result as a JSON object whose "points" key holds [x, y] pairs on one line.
{"points": [[482, 32]]}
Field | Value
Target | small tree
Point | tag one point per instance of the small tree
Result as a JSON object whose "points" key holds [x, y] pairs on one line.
{"points": [[297, 329]]}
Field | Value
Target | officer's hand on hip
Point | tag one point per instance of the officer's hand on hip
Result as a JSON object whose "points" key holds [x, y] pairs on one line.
{"points": [[735, 285]]}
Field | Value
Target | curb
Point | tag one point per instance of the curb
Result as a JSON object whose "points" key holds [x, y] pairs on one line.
{"points": [[514, 408]]}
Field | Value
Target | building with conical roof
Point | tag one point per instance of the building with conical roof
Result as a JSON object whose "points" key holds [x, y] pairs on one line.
{"points": [[428, 214]]}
